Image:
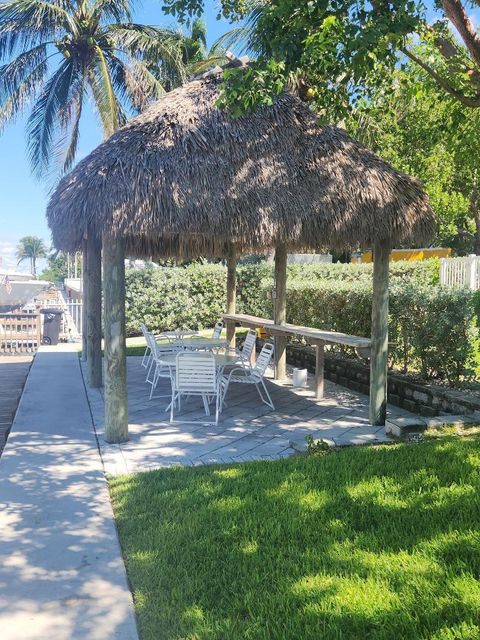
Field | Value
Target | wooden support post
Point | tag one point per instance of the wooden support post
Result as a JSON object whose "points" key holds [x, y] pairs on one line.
{"points": [[319, 369], [93, 328], [379, 352], [280, 310], [116, 407], [231, 291], [84, 300]]}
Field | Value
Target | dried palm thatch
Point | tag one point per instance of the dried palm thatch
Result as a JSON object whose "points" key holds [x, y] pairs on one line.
{"points": [[184, 178]]}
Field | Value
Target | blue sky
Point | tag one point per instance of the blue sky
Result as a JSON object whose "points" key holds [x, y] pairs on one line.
{"points": [[23, 199]]}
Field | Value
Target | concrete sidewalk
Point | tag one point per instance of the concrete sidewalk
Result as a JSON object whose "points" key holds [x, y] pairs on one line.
{"points": [[61, 572]]}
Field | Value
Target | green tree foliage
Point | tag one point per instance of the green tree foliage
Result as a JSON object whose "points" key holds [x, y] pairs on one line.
{"points": [[425, 132], [60, 54], [338, 52], [56, 270], [31, 248]]}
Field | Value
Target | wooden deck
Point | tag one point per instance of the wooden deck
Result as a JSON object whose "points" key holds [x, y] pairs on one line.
{"points": [[13, 373]]}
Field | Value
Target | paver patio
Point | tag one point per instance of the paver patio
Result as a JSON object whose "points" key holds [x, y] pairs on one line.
{"points": [[247, 430]]}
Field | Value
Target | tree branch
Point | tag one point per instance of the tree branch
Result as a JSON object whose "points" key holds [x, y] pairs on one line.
{"points": [[456, 13], [467, 101]]}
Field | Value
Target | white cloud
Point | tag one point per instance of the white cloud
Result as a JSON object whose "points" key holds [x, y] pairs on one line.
{"points": [[7, 257], [8, 260]]}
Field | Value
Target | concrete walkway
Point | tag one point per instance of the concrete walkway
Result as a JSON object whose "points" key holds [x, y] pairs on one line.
{"points": [[61, 572]]}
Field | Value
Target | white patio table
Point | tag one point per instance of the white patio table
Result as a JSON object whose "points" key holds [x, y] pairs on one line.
{"points": [[179, 334], [222, 360], [192, 343]]}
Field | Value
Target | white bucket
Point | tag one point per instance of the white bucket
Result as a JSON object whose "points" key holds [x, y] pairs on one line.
{"points": [[300, 378]]}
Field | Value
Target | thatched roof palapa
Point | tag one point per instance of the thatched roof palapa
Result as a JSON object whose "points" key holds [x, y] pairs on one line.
{"points": [[184, 178]]}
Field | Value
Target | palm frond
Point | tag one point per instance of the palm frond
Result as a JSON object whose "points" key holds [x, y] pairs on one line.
{"points": [[77, 102], [104, 95], [236, 40], [117, 10], [42, 120], [206, 64], [13, 103], [14, 73], [26, 23], [133, 82], [148, 43]]}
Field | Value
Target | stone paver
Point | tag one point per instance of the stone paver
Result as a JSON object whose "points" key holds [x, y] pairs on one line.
{"points": [[247, 430], [61, 572]]}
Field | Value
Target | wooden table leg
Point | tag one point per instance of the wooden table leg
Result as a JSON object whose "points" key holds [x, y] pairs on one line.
{"points": [[319, 370]]}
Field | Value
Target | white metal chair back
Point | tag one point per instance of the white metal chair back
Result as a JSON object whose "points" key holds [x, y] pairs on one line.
{"points": [[147, 355], [264, 358], [249, 344], [196, 373], [217, 330]]}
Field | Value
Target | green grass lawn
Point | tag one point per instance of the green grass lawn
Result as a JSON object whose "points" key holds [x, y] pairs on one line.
{"points": [[371, 542]]}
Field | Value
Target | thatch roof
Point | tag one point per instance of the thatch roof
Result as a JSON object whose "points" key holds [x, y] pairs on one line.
{"points": [[185, 177]]}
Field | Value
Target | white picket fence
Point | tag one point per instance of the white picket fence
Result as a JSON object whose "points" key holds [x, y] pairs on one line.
{"points": [[460, 272]]}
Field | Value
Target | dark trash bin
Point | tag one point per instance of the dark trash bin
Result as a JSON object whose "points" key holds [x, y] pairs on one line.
{"points": [[51, 325]]}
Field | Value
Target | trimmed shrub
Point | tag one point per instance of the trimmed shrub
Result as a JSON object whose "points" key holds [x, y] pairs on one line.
{"points": [[476, 306], [166, 298], [431, 328]]}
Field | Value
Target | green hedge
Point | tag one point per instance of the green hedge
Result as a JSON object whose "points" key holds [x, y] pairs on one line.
{"points": [[167, 298], [431, 327]]}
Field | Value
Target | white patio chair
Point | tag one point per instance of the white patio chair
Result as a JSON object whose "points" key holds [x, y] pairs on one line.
{"points": [[252, 375], [158, 369], [147, 356], [245, 353], [196, 375], [217, 330], [248, 346]]}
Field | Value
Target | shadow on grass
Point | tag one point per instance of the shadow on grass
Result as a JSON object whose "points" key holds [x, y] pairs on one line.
{"points": [[364, 543]]}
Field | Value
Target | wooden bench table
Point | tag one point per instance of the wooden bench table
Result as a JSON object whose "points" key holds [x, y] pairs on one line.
{"points": [[316, 337]]}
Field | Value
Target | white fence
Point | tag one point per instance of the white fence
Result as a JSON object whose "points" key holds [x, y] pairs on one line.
{"points": [[460, 272]]}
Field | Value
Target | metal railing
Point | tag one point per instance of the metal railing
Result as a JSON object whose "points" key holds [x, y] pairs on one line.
{"points": [[19, 333]]}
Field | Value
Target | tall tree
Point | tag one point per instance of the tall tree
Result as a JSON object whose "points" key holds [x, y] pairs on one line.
{"points": [[58, 54], [427, 133], [31, 248], [339, 52]]}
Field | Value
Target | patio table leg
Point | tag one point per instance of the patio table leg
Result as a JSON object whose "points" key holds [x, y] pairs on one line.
{"points": [[319, 369]]}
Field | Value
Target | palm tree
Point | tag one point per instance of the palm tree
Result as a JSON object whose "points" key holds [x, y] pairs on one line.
{"points": [[59, 53], [31, 248]]}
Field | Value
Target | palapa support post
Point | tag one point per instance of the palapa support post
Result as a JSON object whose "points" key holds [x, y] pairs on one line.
{"points": [[280, 303], [231, 292], [93, 298], [319, 369], [116, 408], [84, 299], [379, 349]]}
